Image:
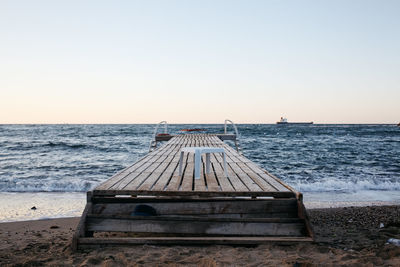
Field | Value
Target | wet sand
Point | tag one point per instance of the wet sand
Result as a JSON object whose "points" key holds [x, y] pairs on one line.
{"points": [[350, 236]]}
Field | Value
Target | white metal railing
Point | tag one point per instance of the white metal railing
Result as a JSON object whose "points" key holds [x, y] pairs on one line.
{"points": [[158, 125], [153, 142], [237, 142], [234, 127]]}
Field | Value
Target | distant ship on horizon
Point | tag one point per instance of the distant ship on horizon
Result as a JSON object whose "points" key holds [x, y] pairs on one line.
{"points": [[285, 121]]}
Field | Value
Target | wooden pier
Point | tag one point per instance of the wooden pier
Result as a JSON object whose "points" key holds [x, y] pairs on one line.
{"points": [[152, 204]]}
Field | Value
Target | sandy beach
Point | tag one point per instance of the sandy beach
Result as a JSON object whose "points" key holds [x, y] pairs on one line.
{"points": [[344, 236]]}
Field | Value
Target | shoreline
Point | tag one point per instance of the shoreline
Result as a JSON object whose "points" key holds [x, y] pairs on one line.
{"points": [[17, 206], [346, 235], [311, 207]]}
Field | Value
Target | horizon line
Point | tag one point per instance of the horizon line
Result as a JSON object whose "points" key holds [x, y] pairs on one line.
{"points": [[148, 123]]}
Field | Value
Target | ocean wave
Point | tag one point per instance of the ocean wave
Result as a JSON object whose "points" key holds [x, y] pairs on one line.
{"points": [[34, 146], [335, 185], [79, 185], [64, 144], [76, 185]]}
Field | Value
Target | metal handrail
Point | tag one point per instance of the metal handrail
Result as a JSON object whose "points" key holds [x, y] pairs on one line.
{"points": [[153, 142], [234, 127], [165, 128], [237, 142]]}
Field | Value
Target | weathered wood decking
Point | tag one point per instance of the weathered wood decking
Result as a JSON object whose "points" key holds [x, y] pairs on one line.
{"points": [[157, 172], [249, 206]]}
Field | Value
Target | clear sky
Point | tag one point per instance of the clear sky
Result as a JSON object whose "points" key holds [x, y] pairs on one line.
{"points": [[199, 61]]}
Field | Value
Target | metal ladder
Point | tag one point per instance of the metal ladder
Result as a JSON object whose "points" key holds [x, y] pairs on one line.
{"points": [[237, 142], [153, 142]]}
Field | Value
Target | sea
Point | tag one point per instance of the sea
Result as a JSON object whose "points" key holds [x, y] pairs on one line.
{"points": [[45, 170]]}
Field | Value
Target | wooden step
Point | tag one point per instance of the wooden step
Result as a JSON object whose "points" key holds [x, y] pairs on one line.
{"points": [[189, 240], [275, 208], [190, 225]]}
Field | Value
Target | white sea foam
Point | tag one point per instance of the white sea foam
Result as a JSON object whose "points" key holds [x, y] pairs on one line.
{"points": [[47, 185], [77, 185], [335, 185]]}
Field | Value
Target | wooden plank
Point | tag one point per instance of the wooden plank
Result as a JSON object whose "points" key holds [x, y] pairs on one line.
{"points": [[226, 183], [81, 228], [235, 157], [255, 169], [190, 219], [164, 168], [213, 183], [160, 166], [200, 184], [246, 215], [178, 194], [138, 175], [288, 187], [164, 138], [197, 225], [134, 175], [116, 178], [244, 177], [187, 183], [119, 178], [273, 182], [190, 240], [257, 179], [223, 137], [175, 181], [266, 207], [148, 179], [165, 177], [99, 199], [235, 181], [302, 214], [166, 158], [187, 179]]}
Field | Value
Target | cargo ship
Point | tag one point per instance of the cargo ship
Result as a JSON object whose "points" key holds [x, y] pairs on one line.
{"points": [[285, 121]]}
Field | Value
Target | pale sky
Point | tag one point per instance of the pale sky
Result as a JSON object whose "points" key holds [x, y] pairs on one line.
{"points": [[199, 61]]}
